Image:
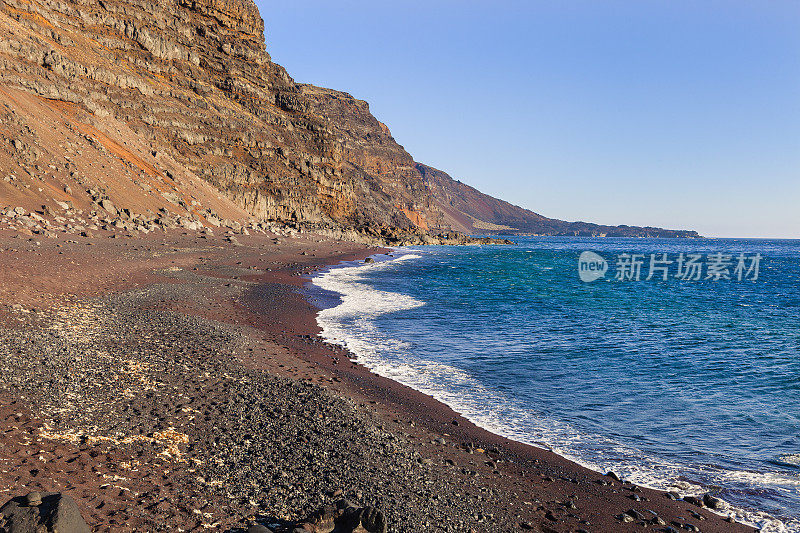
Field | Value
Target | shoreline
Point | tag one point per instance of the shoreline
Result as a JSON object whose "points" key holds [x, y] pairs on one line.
{"points": [[524, 452], [438, 417], [250, 293]]}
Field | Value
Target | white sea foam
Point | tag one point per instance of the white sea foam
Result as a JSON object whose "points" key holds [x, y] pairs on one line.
{"points": [[352, 325], [791, 459]]}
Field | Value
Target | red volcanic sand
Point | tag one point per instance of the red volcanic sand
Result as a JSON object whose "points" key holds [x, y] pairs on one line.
{"points": [[539, 490]]}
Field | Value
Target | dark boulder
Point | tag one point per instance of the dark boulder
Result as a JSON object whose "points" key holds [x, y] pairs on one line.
{"points": [[694, 500], [258, 528], [714, 502], [42, 512], [344, 517]]}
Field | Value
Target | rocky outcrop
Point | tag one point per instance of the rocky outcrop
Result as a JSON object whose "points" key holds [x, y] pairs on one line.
{"points": [[180, 87], [344, 517], [48, 512], [370, 153]]}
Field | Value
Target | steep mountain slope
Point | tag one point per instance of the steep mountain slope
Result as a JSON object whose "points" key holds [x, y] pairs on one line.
{"points": [[190, 88], [368, 147], [177, 106], [471, 211]]}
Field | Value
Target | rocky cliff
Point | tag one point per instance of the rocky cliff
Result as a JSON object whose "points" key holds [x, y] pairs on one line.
{"points": [[435, 199], [176, 107]]}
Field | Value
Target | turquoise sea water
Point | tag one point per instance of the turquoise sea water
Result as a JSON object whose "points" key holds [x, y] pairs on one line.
{"points": [[691, 385]]}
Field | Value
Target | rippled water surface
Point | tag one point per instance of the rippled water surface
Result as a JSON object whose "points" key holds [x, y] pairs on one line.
{"points": [[693, 385]]}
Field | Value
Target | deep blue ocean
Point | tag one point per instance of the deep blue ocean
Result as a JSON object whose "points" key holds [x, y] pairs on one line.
{"points": [[683, 384]]}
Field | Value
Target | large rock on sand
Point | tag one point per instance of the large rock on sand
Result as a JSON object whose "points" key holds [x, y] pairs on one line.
{"points": [[344, 518], [50, 512]]}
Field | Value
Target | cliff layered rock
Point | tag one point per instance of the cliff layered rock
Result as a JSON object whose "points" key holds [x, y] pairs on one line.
{"points": [[177, 106], [131, 95]]}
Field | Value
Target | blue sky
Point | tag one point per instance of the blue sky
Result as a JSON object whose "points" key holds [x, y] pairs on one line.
{"points": [[675, 113]]}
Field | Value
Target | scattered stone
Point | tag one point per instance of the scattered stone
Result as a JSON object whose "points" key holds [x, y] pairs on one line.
{"points": [[694, 500], [33, 499], [697, 515], [655, 519], [108, 205], [636, 515]]}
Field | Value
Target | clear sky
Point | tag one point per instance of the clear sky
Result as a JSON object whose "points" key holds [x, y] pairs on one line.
{"points": [[673, 113]]}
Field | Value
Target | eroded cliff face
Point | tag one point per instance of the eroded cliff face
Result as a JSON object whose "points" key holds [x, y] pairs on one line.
{"points": [[374, 158], [177, 106], [187, 81], [430, 198]]}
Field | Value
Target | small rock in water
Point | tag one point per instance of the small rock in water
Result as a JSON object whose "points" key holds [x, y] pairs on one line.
{"points": [[613, 476], [714, 503], [369, 260]]}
